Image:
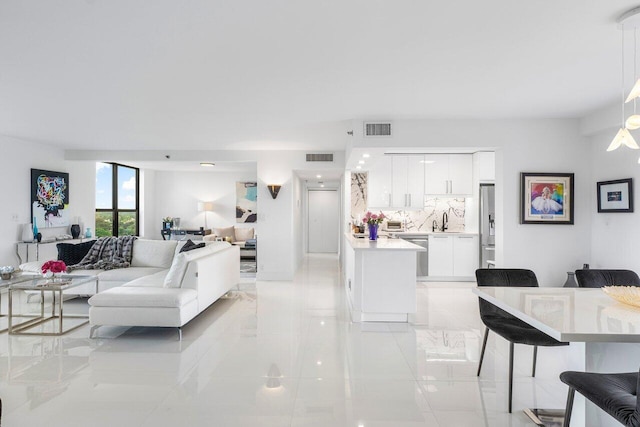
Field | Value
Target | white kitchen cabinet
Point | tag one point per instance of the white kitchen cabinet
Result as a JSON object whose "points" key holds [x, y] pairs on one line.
{"points": [[440, 255], [408, 182], [448, 174], [465, 256], [452, 255], [436, 173], [379, 183], [486, 164]]}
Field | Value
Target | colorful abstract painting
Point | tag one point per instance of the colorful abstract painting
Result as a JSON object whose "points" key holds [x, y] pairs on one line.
{"points": [[49, 198], [246, 201], [547, 198]]}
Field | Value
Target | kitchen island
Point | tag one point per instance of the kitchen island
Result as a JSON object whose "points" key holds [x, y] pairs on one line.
{"points": [[380, 279]]}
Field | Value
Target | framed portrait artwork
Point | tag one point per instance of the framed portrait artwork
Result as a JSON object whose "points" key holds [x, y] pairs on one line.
{"points": [[546, 198], [615, 196]]}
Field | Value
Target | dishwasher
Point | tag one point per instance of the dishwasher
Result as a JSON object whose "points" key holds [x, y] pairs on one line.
{"points": [[422, 261]]}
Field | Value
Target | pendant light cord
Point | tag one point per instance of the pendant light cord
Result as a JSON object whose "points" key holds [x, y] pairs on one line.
{"points": [[635, 63], [622, 78]]}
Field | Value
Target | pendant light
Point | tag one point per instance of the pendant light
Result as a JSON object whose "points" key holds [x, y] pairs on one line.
{"points": [[629, 20]]}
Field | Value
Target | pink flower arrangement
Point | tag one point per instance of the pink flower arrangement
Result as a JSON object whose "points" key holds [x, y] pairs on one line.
{"points": [[370, 218], [54, 267]]}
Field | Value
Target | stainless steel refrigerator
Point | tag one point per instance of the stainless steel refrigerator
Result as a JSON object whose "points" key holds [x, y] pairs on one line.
{"points": [[487, 225]]}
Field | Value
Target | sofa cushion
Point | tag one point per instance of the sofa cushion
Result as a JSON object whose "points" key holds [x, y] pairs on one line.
{"points": [[179, 266], [129, 296], [174, 277], [244, 234], [72, 253], [153, 253], [155, 280], [225, 232], [122, 274]]}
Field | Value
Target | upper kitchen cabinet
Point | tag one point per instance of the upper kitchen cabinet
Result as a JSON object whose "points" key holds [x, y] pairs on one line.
{"points": [[379, 183], [486, 164], [408, 182], [448, 174]]}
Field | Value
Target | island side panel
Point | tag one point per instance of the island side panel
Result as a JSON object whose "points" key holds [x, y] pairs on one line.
{"points": [[388, 285]]}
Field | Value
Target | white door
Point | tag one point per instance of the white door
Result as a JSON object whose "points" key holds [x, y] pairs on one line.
{"points": [[324, 221]]}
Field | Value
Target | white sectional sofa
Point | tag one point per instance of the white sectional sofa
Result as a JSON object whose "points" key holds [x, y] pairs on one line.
{"points": [[171, 297], [162, 287]]}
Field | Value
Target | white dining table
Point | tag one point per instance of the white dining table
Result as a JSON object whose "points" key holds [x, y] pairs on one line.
{"points": [[604, 334]]}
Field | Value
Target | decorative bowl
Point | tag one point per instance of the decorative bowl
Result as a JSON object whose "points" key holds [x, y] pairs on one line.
{"points": [[6, 272], [625, 294]]}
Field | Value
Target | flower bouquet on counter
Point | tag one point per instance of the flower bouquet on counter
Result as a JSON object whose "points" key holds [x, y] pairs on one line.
{"points": [[376, 219], [51, 268], [373, 221]]}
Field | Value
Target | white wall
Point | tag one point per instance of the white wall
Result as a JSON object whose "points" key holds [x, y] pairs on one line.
{"points": [[521, 146], [176, 194], [17, 159], [615, 237], [298, 222], [148, 221]]}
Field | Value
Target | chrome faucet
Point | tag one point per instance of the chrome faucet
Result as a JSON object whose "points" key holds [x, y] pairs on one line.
{"points": [[445, 221], [434, 225]]}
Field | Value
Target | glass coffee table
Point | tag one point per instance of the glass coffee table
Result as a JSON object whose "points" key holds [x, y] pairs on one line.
{"points": [[56, 287], [17, 277]]}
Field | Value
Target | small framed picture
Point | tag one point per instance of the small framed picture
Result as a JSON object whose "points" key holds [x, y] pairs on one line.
{"points": [[615, 196], [546, 198]]}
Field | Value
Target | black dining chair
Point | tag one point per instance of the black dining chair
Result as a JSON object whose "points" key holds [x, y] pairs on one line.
{"points": [[593, 278], [616, 394], [506, 325]]}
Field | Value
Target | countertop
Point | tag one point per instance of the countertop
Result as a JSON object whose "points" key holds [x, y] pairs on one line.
{"points": [[568, 314], [382, 244], [402, 234]]}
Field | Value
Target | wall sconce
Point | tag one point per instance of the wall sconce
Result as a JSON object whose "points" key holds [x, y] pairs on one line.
{"points": [[274, 190], [205, 207]]}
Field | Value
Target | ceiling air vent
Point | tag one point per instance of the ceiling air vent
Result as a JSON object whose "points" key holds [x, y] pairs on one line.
{"points": [[320, 157], [377, 129]]}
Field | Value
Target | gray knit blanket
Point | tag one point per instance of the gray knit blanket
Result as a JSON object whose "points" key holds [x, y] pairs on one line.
{"points": [[107, 253]]}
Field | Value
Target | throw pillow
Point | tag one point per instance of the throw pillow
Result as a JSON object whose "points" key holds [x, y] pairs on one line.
{"points": [[72, 253], [244, 234], [225, 232], [189, 246], [173, 279]]}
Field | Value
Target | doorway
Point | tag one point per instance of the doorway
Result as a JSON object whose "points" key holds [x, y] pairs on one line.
{"points": [[323, 221]]}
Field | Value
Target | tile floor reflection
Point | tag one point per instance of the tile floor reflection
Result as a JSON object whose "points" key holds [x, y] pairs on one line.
{"points": [[280, 354]]}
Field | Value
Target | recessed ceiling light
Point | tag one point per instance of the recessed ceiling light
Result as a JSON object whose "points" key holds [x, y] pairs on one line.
{"points": [[427, 161], [361, 162], [207, 164], [358, 167], [318, 176], [366, 155]]}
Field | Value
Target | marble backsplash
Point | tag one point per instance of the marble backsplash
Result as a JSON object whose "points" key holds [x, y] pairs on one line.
{"points": [[415, 220]]}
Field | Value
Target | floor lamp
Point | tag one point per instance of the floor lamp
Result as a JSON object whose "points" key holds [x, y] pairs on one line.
{"points": [[205, 207]]}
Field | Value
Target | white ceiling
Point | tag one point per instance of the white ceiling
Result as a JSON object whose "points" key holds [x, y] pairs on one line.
{"points": [[291, 74]]}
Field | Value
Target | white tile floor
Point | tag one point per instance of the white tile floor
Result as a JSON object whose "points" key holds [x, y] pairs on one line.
{"points": [[280, 354]]}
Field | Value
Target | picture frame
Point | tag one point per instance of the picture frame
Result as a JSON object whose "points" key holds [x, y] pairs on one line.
{"points": [[50, 198], [546, 198], [615, 196], [246, 202]]}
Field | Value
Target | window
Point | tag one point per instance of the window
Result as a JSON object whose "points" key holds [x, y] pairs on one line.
{"points": [[117, 201]]}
